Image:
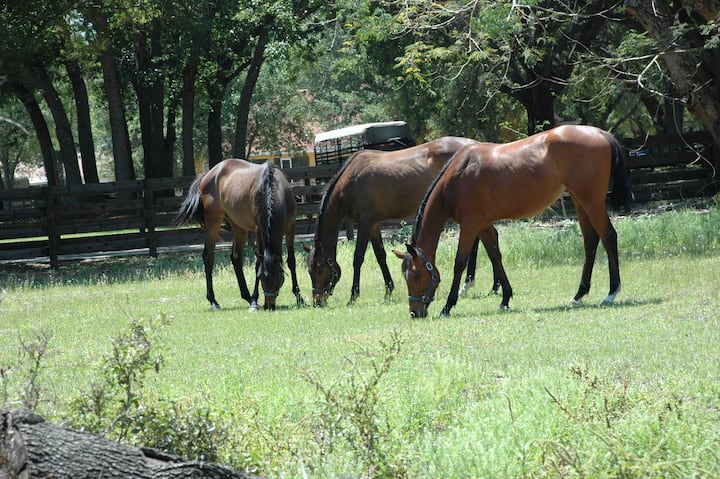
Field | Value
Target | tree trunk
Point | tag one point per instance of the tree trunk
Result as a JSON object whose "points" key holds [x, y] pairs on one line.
{"points": [[7, 175], [539, 103], [215, 154], [693, 79], [240, 149], [63, 129], [170, 139], [122, 152], [84, 125], [30, 447], [200, 38], [41, 130], [150, 92], [188, 111]]}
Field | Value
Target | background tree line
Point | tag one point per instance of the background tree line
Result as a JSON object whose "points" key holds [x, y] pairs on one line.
{"points": [[146, 88]]}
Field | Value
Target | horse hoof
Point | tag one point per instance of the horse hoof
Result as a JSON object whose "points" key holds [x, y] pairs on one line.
{"points": [[609, 301], [253, 307], [574, 303], [214, 306], [465, 287], [504, 308]]}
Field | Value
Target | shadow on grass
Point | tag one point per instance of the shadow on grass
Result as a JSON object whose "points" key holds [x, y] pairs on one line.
{"points": [[104, 270], [591, 305], [546, 309]]}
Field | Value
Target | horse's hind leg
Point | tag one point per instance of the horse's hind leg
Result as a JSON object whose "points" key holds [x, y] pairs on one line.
{"points": [[237, 257], [590, 243], [290, 246], [489, 238], [381, 256], [212, 232], [596, 226], [609, 241], [208, 256]]}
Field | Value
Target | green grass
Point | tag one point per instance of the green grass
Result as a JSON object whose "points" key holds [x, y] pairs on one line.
{"points": [[541, 391]]}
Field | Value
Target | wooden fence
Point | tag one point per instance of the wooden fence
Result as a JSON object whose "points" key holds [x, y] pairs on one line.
{"points": [[120, 218], [66, 222]]}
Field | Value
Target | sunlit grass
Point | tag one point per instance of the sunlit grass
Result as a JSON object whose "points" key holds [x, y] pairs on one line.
{"points": [[539, 391]]}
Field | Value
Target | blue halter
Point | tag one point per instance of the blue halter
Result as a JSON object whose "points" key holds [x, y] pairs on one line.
{"points": [[427, 297]]}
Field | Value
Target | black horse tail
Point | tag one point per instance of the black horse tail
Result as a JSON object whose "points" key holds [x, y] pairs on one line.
{"points": [[621, 193], [191, 210]]}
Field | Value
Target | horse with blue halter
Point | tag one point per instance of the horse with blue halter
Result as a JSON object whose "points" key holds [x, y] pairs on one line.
{"points": [[251, 197], [486, 182], [373, 186]]}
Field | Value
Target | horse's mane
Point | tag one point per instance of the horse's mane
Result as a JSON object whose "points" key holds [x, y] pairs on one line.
{"points": [[423, 203], [328, 191], [265, 201]]}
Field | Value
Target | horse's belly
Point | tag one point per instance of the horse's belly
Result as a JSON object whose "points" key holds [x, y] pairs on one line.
{"points": [[527, 202]]}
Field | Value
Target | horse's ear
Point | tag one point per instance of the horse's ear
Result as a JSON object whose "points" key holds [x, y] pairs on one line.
{"points": [[399, 254], [411, 249], [306, 247]]}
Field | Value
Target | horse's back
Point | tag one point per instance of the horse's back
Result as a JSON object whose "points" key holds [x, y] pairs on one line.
{"points": [[521, 178], [229, 188], [390, 184]]}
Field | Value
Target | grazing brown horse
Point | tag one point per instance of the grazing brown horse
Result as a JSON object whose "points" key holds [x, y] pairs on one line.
{"points": [[373, 186], [253, 198], [488, 182]]}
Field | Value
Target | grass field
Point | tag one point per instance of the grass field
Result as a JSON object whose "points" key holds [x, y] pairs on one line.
{"points": [[364, 391]]}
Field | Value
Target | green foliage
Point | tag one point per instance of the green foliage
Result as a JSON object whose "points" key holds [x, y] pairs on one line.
{"points": [[114, 404], [21, 378], [120, 407], [351, 410]]}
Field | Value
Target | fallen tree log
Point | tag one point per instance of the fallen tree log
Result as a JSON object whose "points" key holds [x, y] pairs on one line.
{"points": [[31, 447]]}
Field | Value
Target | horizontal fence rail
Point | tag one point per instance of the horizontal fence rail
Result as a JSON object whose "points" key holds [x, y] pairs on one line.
{"points": [[62, 223]]}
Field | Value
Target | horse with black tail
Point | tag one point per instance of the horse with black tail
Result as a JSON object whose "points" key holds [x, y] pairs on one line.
{"points": [[487, 182], [373, 186], [251, 197]]}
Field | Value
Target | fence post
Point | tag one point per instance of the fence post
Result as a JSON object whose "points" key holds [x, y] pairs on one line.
{"points": [[53, 231], [716, 166], [149, 197]]}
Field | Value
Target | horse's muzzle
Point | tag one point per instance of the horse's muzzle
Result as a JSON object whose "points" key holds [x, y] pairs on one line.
{"points": [[320, 299], [419, 312], [269, 304]]}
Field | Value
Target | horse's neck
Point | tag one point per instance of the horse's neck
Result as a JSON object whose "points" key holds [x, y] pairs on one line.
{"points": [[329, 227], [432, 226]]}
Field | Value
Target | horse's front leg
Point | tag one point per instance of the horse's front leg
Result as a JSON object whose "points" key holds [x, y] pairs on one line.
{"points": [[363, 237], [254, 296], [465, 244], [471, 267], [237, 257], [290, 245], [381, 256]]}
